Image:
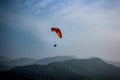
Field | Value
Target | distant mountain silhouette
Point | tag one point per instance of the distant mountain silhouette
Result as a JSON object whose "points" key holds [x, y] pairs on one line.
{"points": [[90, 69], [5, 67], [94, 68], [4, 63], [41, 72], [3, 59], [117, 64], [22, 61], [48, 60], [30, 61], [7, 64]]}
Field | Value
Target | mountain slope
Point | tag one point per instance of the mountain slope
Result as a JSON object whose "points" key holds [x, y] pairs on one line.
{"points": [[41, 72], [3, 59], [95, 68], [22, 61], [7, 64], [117, 64], [48, 60]]}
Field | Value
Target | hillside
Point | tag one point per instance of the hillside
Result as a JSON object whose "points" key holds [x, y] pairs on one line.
{"points": [[48, 60], [74, 69], [94, 67], [7, 64], [115, 63], [41, 72]]}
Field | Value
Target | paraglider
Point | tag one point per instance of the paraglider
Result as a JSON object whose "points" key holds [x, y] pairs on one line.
{"points": [[55, 45], [58, 32]]}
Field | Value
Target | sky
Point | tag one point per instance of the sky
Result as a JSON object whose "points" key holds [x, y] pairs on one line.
{"points": [[90, 28]]}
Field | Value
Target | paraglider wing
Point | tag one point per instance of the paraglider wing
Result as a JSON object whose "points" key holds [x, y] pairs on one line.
{"points": [[58, 31]]}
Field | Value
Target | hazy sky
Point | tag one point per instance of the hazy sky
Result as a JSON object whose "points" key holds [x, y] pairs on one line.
{"points": [[91, 28]]}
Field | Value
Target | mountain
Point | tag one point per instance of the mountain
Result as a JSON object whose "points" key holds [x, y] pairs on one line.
{"points": [[41, 72], [95, 68], [30, 61], [7, 64], [3, 59], [17, 62], [73, 69], [5, 67], [48, 60], [22, 61], [117, 64], [4, 63]]}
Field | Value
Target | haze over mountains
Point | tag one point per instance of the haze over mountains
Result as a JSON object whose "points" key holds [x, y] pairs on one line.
{"points": [[53, 59], [44, 61], [72, 68], [117, 64], [95, 68], [7, 63]]}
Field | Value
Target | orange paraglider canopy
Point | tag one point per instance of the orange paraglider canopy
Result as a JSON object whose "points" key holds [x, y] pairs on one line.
{"points": [[58, 31]]}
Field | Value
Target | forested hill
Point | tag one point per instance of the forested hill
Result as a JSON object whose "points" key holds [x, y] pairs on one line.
{"points": [[41, 72], [74, 69]]}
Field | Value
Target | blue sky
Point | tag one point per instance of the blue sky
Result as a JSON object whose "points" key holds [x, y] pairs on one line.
{"points": [[91, 28]]}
